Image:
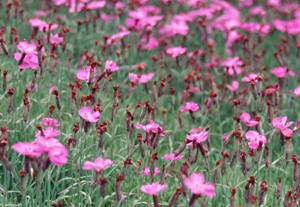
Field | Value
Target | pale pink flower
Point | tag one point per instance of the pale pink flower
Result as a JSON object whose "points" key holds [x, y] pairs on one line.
{"points": [[231, 65], [252, 77], [36, 22], [84, 74], [26, 148], [297, 91], [96, 5], [117, 36], [58, 155], [147, 171], [55, 40], [197, 186], [245, 117], [28, 48], [104, 17], [280, 123], [98, 165], [111, 66], [234, 87], [280, 72], [175, 51], [119, 5], [254, 138], [87, 114], [199, 137], [50, 122], [29, 87], [133, 77], [51, 89], [145, 78], [152, 127], [172, 157], [274, 2], [47, 143], [193, 90], [232, 37], [153, 189], [190, 106]]}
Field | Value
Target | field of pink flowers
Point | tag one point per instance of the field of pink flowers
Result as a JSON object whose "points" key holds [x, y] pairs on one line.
{"points": [[149, 103]]}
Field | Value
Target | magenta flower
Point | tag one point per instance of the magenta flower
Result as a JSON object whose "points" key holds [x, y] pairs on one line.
{"points": [[193, 90], [49, 132], [30, 61], [252, 77], [96, 5], [232, 65], [58, 155], [197, 130], [280, 123], [297, 91], [98, 165], [197, 186], [172, 157], [84, 74], [27, 48], [234, 87], [111, 66], [199, 137], [87, 114], [36, 22], [152, 127], [50, 122], [146, 77], [117, 36], [55, 40], [190, 106], [47, 143], [254, 138], [280, 72], [26, 148], [147, 171], [245, 117], [153, 189], [175, 51], [133, 77]]}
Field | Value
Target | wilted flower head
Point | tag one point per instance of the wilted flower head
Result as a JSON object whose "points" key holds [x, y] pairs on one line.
{"points": [[87, 114], [147, 171], [254, 138], [153, 189], [98, 165], [190, 106], [197, 186]]}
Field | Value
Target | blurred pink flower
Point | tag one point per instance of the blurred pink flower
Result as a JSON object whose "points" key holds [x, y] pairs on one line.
{"points": [[133, 77], [231, 65], [36, 22], [245, 117], [55, 40], [28, 48], [234, 87], [297, 91], [58, 155], [47, 143], [111, 66], [50, 122], [175, 51], [152, 127], [280, 123], [172, 157], [190, 106], [197, 130], [199, 137], [197, 186], [98, 165], [251, 77], [147, 171], [274, 2], [96, 5], [49, 132], [153, 189], [26, 148], [280, 72], [30, 61], [254, 138], [84, 74], [116, 36], [145, 78], [87, 114], [193, 90]]}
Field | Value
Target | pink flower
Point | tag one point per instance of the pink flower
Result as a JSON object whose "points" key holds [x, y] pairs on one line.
{"points": [[119, 35], [197, 186], [280, 72], [280, 123], [96, 5], [98, 165], [234, 87], [84, 74], [197, 130], [245, 117], [193, 90], [254, 138], [52, 88], [133, 77], [175, 51], [49, 132], [47, 143], [55, 40], [87, 114], [30, 61], [252, 77], [27, 48], [152, 127], [274, 2], [58, 155], [111, 66], [153, 189], [146, 77], [190, 106], [147, 171], [26, 148], [172, 157], [199, 137], [231, 65], [50, 122], [297, 91], [36, 22]]}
